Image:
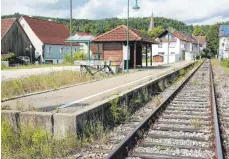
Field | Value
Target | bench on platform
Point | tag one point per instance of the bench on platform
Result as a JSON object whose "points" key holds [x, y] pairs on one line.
{"points": [[95, 66]]}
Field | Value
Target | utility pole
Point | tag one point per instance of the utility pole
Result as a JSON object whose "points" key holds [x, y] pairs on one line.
{"points": [[168, 49], [127, 37], [71, 28]]}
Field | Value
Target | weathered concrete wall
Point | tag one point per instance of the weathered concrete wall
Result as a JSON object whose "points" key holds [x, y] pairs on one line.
{"points": [[102, 112]]}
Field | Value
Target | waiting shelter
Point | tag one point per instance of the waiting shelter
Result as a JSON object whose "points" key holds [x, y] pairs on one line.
{"points": [[115, 41]]}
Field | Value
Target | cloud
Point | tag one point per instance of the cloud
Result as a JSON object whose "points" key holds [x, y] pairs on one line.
{"points": [[213, 20], [188, 11]]}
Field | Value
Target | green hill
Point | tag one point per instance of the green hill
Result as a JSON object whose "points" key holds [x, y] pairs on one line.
{"points": [[97, 27]]}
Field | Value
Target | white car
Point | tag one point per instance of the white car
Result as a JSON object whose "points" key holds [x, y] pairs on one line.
{"points": [[24, 58]]}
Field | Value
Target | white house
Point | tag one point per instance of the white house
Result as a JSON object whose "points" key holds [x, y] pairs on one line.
{"points": [[48, 38], [176, 46], [224, 41], [201, 41], [86, 44]]}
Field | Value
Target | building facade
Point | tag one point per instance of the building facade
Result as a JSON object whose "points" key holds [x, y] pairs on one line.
{"points": [[201, 41], [48, 38], [14, 39], [175, 46], [115, 46], [224, 41]]}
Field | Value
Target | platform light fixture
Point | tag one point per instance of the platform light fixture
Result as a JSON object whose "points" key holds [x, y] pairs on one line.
{"points": [[135, 8]]}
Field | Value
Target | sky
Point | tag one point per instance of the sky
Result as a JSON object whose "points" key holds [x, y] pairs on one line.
{"points": [[196, 12]]}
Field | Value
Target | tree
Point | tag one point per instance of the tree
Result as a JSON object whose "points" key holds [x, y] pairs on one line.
{"points": [[198, 31], [155, 32], [212, 40]]}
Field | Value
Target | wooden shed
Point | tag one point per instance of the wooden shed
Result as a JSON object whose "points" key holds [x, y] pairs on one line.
{"points": [[14, 39], [114, 42], [158, 58]]}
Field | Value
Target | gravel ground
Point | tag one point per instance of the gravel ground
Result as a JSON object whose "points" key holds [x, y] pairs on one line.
{"points": [[221, 79], [190, 110], [121, 131], [194, 95]]}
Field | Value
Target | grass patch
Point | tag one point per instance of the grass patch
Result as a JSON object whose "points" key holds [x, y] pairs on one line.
{"points": [[16, 87], [223, 63], [195, 123], [34, 142]]}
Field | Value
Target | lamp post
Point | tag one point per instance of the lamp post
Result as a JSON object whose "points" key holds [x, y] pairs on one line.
{"points": [[71, 29], [135, 8]]}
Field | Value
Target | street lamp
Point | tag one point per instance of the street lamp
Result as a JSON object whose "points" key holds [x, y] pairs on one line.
{"points": [[135, 8]]}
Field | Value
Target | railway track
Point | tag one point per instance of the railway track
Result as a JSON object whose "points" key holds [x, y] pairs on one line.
{"points": [[222, 93], [184, 126]]}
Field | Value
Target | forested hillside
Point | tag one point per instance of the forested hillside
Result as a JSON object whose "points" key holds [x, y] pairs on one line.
{"points": [[97, 27]]}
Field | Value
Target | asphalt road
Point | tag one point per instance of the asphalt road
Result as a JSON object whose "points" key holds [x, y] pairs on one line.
{"points": [[91, 92], [20, 73]]}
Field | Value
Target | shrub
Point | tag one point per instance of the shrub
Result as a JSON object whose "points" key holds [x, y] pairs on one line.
{"points": [[8, 57], [75, 56], [79, 56]]}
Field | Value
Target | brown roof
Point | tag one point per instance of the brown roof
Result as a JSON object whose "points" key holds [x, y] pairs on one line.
{"points": [[49, 32], [82, 33], [201, 39], [6, 24], [184, 37], [119, 34]]}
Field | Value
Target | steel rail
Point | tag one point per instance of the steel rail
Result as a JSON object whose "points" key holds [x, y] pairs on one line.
{"points": [[218, 144], [122, 149]]}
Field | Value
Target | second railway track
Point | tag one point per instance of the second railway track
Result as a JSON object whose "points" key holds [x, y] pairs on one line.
{"points": [[184, 126]]}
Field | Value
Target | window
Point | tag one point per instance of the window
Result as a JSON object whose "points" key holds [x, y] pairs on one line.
{"points": [[66, 50], [172, 53], [50, 50], [172, 44], [161, 53], [75, 50], [61, 50], [160, 45]]}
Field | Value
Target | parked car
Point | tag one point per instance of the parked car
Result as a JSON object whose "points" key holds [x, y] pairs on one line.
{"points": [[25, 58], [15, 61], [21, 60]]}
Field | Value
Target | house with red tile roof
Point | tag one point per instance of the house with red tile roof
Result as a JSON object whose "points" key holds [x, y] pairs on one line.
{"points": [[14, 39], [48, 38], [114, 46], [175, 46], [202, 42]]}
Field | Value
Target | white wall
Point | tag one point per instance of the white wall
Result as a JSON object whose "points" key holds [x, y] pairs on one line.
{"points": [[174, 51], [224, 49], [84, 48], [37, 43], [189, 56]]}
